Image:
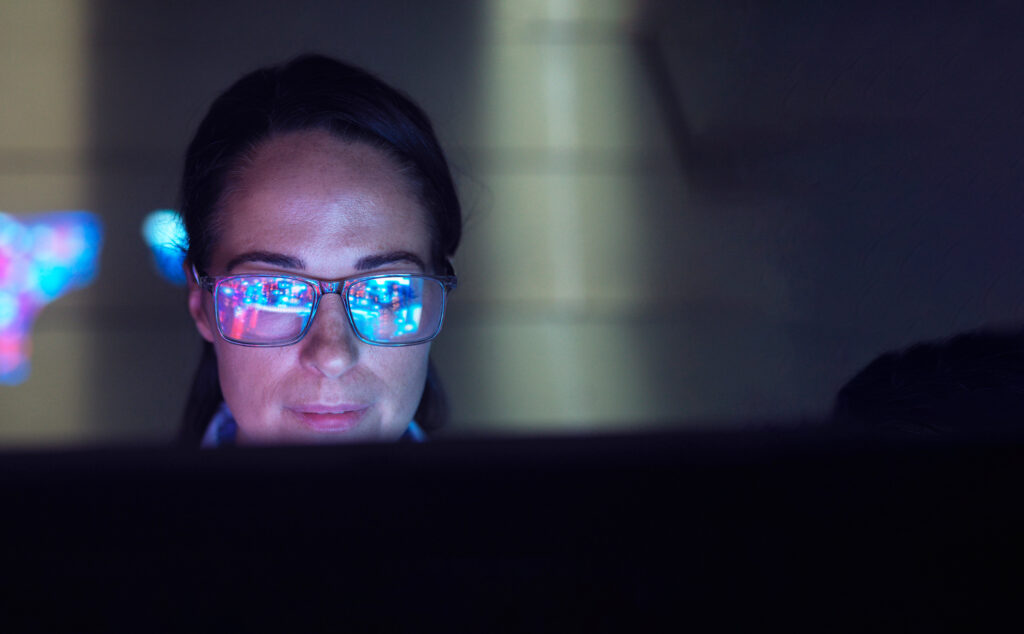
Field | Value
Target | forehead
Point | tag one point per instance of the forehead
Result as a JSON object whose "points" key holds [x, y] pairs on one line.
{"points": [[324, 200]]}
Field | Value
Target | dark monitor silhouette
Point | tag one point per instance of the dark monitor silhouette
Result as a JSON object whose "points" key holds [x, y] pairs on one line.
{"points": [[821, 529]]}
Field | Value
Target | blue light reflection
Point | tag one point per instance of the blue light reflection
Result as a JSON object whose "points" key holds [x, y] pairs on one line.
{"points": [[164, 233]]}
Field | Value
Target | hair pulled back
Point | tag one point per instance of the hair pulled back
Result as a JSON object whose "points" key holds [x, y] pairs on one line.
{"points": [[307, 93]]}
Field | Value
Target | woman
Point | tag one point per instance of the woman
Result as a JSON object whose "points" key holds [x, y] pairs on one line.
{"points": [[322, 219]]}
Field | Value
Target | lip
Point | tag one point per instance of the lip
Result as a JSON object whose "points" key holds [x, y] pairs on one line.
{"points": [[329, 418]]}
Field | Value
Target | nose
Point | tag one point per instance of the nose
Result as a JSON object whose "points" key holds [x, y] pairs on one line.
{"points": [[330, 347]]}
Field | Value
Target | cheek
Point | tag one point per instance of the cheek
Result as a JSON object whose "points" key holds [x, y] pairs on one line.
{"points": [[404, 372], [249, 378], [253, 381]]}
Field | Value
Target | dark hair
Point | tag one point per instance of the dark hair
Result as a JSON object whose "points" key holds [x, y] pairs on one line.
{"points": [[311, 92], [969, 382]]}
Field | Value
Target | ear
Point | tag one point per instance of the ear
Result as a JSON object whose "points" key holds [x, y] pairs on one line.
{"points": [[197, 305]]}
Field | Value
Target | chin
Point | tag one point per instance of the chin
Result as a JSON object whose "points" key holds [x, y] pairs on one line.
{"points": [[338, 438], [306, 436], [323, 429]]}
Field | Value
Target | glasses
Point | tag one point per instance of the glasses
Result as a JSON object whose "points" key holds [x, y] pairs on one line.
{"points": [[393, 309]]}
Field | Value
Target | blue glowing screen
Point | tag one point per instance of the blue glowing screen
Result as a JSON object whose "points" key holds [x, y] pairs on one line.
{"points": [[164, 232], [42, 256]]}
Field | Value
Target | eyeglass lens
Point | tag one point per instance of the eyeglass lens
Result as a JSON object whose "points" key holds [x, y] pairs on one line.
{"points": [[265, 310]]}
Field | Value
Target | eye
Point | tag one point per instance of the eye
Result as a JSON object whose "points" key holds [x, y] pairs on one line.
{"points": [[263, 309]]}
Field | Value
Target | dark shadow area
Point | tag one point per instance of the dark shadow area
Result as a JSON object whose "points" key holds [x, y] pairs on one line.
{"points": [[874, 150], [968, 383], [809, 530]]}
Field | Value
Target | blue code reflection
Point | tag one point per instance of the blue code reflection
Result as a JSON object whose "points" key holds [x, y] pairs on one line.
{"points": [[388, 308], [264, 308]]}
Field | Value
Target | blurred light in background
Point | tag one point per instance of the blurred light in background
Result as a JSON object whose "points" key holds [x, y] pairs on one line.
{"points": [[165, 235], [565, 120], [41, 258]]}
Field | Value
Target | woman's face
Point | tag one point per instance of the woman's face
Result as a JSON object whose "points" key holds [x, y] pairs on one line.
{"points": [[310, 205]]}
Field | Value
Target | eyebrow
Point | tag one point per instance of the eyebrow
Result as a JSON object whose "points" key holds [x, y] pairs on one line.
{"points": [[366, 263], [380, 259], [276, 259]]}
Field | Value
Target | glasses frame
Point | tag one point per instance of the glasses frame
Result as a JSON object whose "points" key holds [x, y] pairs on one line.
{"points": [[338, 287]]}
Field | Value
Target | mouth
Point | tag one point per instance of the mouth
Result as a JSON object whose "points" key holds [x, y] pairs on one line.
{"points": [[329, 418]]}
